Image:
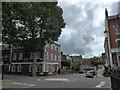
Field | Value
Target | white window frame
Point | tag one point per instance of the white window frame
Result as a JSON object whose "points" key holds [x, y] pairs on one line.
{"points": [[14, 56], [20, 56], [13, 68], [19, 68]]}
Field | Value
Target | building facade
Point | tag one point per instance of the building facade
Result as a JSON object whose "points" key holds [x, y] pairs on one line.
{"points": [[112, 39], [47, 60]]}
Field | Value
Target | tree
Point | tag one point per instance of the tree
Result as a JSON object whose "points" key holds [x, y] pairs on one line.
{"points": [[76, 65], [31, 25], [95, 61], [66, 63]]}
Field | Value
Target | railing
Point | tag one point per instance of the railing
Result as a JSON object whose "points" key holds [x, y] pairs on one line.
{"points": [[115, 81]]}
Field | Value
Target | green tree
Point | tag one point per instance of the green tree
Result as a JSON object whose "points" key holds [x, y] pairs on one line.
{"points": [[95, 61], [31, 25], [76, 65], [66, 63]]}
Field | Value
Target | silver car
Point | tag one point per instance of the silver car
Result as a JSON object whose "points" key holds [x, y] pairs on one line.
{"points": [[90, 73]]}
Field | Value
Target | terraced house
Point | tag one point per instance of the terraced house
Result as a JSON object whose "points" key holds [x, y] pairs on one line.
{"points": [[47, 60], [112, 39]]}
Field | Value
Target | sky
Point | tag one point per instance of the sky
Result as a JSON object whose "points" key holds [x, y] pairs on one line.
{"points": [[84, 30]]}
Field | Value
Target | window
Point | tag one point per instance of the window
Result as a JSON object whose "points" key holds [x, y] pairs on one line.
{"points": [[53, 68], [47, 55], [19, 68], [31, 55], [51, 56], [59, 58], [14, 56], [13, 68], [39, 68], [30, 68], [117, 30], [51, 46], [38, 55], [58, 49], [55, 57], [118, 43], [20, 56]]}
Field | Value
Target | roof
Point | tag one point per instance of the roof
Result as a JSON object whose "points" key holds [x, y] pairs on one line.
{"points": [[113, 17]]}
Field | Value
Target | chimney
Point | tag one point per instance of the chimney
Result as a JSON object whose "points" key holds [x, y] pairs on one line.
{"points": [[106, 13]]}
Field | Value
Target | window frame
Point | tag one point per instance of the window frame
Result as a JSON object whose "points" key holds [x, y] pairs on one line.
{"points": [[14, 56], [20, 56], [117, 30]]}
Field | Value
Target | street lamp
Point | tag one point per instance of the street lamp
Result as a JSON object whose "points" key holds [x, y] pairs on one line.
{"points": [[106, 32]]}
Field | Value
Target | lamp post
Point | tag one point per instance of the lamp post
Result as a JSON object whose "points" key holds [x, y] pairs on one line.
{"points": [[108, 51]]}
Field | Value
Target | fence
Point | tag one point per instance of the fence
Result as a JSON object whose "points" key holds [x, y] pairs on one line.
{"points": [[115, 81]]}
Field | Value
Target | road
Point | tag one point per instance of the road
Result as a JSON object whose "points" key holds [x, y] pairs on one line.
{"points": [[58, 81]]}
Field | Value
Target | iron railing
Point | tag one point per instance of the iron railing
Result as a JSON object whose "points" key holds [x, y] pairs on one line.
{"points": [[115, 81]]}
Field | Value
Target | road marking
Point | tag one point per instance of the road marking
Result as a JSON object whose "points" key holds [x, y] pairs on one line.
{"points": [[17, 83], [30, 85], [57, 79], [24, 84], [102, 83]]}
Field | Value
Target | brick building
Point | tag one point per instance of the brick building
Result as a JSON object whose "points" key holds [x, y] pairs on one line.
{"points": [[112, 39], [47, 60], [86, 62]]}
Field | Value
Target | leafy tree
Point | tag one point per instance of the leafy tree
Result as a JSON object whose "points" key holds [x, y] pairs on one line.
{"points": [[76, 65], [30, 25], [66, 63], [95, 61]]}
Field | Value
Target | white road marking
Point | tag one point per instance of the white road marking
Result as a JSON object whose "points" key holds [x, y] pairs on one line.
{"points": [[57, 79], [17, 83], [102, 83], [25, 84], [30, 85]]}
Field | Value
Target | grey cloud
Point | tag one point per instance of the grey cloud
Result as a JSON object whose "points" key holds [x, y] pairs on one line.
{"points": [[80, 31]]}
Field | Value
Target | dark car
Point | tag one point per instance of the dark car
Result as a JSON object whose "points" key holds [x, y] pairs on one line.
{"points": [[81, 71], [94, 72]]}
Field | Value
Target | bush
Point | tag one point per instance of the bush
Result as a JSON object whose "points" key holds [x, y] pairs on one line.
{"points": [[115, 69], [106, 71]]}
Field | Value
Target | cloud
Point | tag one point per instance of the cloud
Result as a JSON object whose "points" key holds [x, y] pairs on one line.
{"points": [[83, 34]]}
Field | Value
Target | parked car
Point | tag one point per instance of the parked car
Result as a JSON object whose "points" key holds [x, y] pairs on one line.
{"points": [[94, 72], [81, 71], [90, 74]]}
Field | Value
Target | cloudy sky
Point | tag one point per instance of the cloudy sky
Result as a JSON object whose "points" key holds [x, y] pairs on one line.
{"points": [[84, 31]]}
